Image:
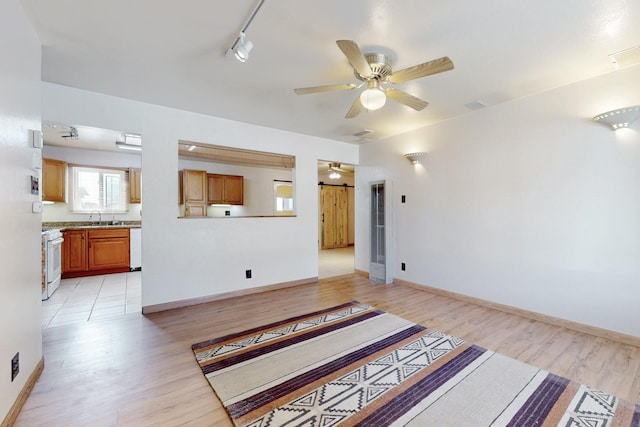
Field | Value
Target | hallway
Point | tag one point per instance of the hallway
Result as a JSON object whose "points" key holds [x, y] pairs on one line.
{"points": [[335, 262]]}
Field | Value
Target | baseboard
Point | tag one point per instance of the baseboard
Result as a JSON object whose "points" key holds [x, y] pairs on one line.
{"points": [[555, 321], [226, 295], [24, 394], [361, 273]]}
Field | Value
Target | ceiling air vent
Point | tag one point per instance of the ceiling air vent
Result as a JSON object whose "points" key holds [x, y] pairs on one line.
{"points": [[475, 105], [363, 133], [626, 57]]}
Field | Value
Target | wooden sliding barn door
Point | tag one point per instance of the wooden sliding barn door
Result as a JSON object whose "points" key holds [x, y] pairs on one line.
{"points": [[335, 231]]}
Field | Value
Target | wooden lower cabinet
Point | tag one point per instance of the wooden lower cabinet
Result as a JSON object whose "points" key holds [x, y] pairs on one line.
{"points": [[74, 251], [95, 251]]}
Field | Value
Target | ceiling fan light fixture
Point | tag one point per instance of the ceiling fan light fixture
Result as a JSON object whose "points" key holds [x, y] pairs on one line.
{"points": [[334, 175], [373, 98], [73, 133]]}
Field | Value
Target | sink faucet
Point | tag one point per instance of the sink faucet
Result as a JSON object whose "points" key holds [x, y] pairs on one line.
{"points": [[99, 216]]}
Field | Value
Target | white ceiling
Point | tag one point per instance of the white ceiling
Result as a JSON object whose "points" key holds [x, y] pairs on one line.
{"points": [[173, 53], [89, 138]]}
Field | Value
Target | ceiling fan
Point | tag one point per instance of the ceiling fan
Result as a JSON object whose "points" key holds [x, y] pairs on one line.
{"points": [[336, 167], [73, 133], [374, 70], [335, 171]]}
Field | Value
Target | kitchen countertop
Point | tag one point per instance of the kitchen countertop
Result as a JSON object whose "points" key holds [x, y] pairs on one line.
{"points": [[90, 225]]}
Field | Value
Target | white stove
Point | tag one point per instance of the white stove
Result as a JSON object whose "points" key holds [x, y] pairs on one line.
{"points": [[51, 261]]}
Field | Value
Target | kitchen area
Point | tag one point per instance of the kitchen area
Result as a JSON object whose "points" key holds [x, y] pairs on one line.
{"points": [[91, 224]]}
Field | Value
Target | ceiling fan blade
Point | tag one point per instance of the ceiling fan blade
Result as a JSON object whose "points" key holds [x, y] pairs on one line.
{"points": [[342, 170], [355, 109], [421, 70], [355, 57], [406, 99], [327, 88]]}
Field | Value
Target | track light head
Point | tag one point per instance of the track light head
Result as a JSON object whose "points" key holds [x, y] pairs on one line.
{"points": [[242, 49]]}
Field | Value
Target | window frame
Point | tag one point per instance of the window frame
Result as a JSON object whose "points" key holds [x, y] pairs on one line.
{"points": [[122, 190]]}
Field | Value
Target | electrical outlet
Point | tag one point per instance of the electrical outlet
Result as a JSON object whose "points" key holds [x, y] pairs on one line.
{"points": [[15, 366], [404, 199], [248, 274], [403, 267]]}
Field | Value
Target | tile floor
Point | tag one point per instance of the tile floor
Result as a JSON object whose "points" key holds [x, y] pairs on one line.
{"points": [[84, 299], [335, 262]]}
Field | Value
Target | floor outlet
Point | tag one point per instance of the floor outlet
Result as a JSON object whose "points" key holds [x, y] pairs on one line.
{"points": [[15, 366]]}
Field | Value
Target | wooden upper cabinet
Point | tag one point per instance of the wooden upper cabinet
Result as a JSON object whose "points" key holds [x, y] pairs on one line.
{"points": [[54, 174], [134, 185], [194, 184], [194, 189], [225, 189], [234, 189], [215, 188]]}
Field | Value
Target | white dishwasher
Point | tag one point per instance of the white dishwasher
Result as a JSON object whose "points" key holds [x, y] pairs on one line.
{"points": [[135, 249]]}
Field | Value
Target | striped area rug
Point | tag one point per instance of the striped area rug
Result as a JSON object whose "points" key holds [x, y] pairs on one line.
{"points": [[353, 365]]}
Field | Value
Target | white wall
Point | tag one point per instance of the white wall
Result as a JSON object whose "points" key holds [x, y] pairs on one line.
{"points": [[60, 212], [188, 258], [529, 204], [20, 251]]}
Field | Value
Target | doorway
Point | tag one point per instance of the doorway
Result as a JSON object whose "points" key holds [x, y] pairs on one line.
{"points": [[108, 151], [336, 219]]}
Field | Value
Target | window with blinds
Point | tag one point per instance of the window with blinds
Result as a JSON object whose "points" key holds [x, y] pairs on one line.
{"points": [[98, 189], [283, 198]]}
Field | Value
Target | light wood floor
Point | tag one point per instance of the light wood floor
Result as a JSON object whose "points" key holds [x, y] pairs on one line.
{"points": [[139, 370]]}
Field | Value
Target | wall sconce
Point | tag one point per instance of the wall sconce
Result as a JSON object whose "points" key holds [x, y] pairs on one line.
{"points": [[241, 47], [415, 158], [620, 118]]}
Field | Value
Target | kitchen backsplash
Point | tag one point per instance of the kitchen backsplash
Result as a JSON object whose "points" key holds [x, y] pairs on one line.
{"points": [[59, 212]]}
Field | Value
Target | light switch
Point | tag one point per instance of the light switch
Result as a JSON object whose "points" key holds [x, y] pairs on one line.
{"points": [[36, 138], [35, 185], [36, 160]]}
